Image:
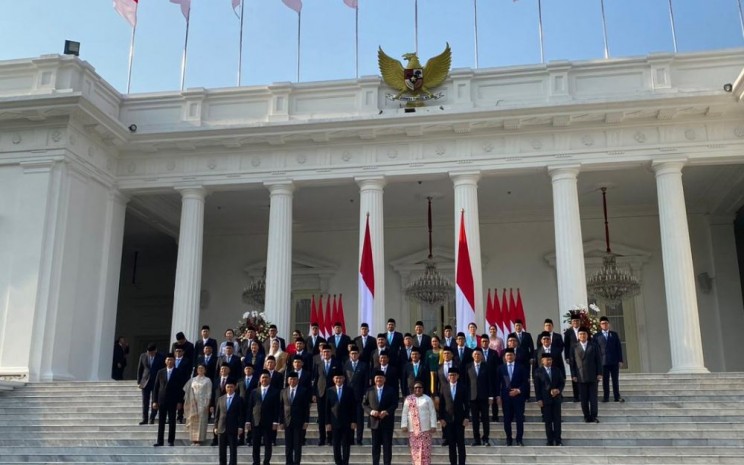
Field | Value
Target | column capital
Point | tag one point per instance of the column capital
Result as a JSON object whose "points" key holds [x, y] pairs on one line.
{"points": [[462, 178], [561, 172], [280, 187], [371, 182], [118, 196], [673, 166], [195, 192]]}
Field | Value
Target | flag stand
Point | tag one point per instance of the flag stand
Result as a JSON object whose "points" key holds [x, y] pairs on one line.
{"points": [[183, 59], [131, 56]]}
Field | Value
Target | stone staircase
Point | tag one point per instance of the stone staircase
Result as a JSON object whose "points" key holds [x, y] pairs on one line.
{"points": [[670, 420]]}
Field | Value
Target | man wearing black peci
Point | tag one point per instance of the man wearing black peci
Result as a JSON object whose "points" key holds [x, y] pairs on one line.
{"points": [[294, 415]]}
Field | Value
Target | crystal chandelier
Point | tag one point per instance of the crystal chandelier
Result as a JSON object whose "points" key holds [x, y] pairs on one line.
{"points": [[255, 293], [609, 282], [430, 287]]}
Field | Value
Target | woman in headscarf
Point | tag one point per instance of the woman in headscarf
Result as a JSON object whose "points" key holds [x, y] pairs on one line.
{"points": [[279, 355], [198, 393]]}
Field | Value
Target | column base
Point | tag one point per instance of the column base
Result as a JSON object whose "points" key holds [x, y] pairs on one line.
{"points": [[688, 371]]}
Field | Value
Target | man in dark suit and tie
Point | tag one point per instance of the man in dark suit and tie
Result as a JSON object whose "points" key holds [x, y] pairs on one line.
{"points": [[546, 347], [314, 339], [448, 339], [448, 363], [304, 354], [150, 363], [404, 358], [184, 366], [167, 398], [454, 415], [556, 340], [512, 386], [357, 374], [209, 360], [482, 388], [228, 423], [204, 341], [182, 342], [586, 371], [549, 384], [341, 417], [245, 386], [294, 415], [394, 341], [272, 336], [492, 359], [322, 379], [570, 339], [463, 353], [236, 366], [391, 372], [219, 389], [612, 359], [380, 403], [421, 340], [304, 375], [381, 346], [263, 417], [415, 370], [365, 343], [339, 343]]}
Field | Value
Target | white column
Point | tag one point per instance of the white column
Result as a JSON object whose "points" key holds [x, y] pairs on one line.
{"points": [[679, 277], [189, 265], [466, 198], [370, 192], [569, 248], [279, 257]]}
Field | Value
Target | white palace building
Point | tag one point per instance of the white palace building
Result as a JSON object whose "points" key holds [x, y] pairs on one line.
{"points": [[144, 215]]}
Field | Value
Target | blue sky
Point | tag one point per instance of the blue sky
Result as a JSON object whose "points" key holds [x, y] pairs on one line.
{"points": [[507, 35]]}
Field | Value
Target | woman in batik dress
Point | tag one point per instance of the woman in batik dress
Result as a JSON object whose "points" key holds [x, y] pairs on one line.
{"points": [[198, 393], [419, 419]]}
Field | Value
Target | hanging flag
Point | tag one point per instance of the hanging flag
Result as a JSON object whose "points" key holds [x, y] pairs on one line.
{"points": [[328, 318], [293, 4], [498, 315], [465, 286], [235, 5], [341, 316], [520, 310], [512, 310], [507, 317], [320, 320], [334, 313], [185, 7], [489, 311], [127, 9], [367, 282], [313, 314], [352, 3]]}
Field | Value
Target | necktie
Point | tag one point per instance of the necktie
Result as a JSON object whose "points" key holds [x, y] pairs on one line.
{"points": [[485, 355], [337, 340], [353, 366], [339, 393], [222, 383], [207, 359], [379, 395], [408, 351], [168, 377], [247, 382], [328, 364], [151, 361], [549, 376], [263, 393], [291, 396], [419, 338], [460, 353], [477, 369], [390, 338], [520, 337], [415, 369], [364, 341], [511, 370], [178, 360], [229, 401], [452, 389], [606, 335]]}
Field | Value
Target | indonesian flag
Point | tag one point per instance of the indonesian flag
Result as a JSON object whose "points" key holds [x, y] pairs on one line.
{"points": [[328, 330], [127, 9], [334, 313], [185, 7], [506, 319], [366, 281], [465, 287], [293, 4], [320, 320], [520, 310], [313, 314], [489, 311], [512, 310], [498, 315], [341, 317], [352, 3]]}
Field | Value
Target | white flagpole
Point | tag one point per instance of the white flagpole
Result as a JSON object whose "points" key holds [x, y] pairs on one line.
{"points": [[240, 46], [741, 18], [299, 30], [415, 25], [604, 31], [356, 39], [475, 29], [674, 29], [540, 30], [185, 46], [131, 51]]}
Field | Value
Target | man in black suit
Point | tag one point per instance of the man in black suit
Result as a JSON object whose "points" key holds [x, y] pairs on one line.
{"points": [[549, 384], [482, 392], [415, 370], [276, 378], [448, 363], [209, 360], [546, 347], [245, 386], [294, 415], [182, 342], [454, 415], [304, 354], [205, 341], [612, 359], [248, 338], [421, 340], [314, 339], [272, 336], [556, 340], [263, 417], [448, 340], [526, 349], [236, 366], [304, 375], [463, 353], [381, 345], [150, 363], [119, 362], [512, 386], [255, 356], [167, 398], [380, 402], [357, 374], [391, 372], [185, 368], [365, 343], [404, 358], [219, 389], [341, 417], [322, 379], [586, 371], [570, 339], [228, 423], [339, 343], [394, 340], [492, 360]]}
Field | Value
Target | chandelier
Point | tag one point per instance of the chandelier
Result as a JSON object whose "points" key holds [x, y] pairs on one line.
{"points": [[609, 282], [431, 287], [255, 293]]}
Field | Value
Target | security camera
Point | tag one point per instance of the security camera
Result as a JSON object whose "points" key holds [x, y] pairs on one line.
{"points": [[728, 87], [132, 128]]}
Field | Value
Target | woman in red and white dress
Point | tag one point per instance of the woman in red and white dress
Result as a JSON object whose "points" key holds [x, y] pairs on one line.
{"points": [[419, 420]]}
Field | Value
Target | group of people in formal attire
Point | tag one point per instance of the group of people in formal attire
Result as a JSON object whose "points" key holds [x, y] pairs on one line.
{"points": [[248, 389]]}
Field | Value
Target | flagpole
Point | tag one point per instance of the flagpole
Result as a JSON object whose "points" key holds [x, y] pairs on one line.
{"points": [[240, 45], [674, 32], [299, 29], [540, 30], [741, 18], [356, 39], [131, 53], [604, 31], [185, 46], [415, 25], [475, 29]]}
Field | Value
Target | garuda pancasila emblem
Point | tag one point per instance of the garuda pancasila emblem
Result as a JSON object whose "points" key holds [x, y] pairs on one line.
{"points": [[414, 79]]}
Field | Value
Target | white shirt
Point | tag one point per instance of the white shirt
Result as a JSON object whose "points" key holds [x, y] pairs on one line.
{"points": [[427, 414]]}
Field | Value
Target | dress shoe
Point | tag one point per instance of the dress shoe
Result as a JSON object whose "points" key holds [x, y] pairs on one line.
{"points": [[213, 443], [157, 444], [152, 421], [596, 420], [143, 422], [549, 443], [520, 443], [620, 400], [509, 442], [321, 443], [486, 442], [445, 443], [559, 444], [605, 400], [587, 420], [171, 444]]}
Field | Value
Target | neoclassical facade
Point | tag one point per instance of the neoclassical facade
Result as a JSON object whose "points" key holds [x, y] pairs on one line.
{"points": [[145, 215]]}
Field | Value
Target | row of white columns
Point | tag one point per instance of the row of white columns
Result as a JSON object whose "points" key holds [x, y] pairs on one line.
{"points": [[684, 326]]}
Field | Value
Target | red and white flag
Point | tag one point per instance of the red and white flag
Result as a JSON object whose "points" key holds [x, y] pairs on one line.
{"points": [[341, 316], [352, 3], [313, 314], [506, 318], [127, 9], [293, 4], [320, 319], [520, 310], [512, 310], [490, 317], [367, 282], [334, 313], [464, 284], [498, 315], [185, 7], [328, 330]]}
